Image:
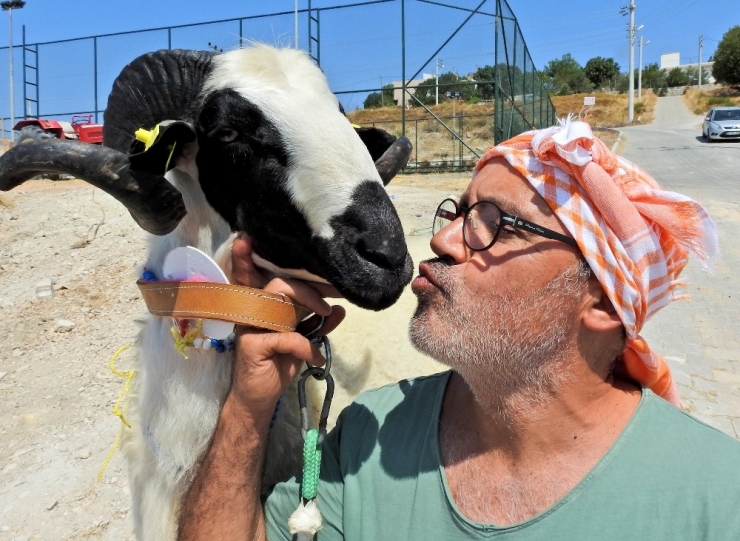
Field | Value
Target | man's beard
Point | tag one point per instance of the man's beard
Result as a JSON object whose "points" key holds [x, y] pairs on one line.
{"points": [[503, 344]]}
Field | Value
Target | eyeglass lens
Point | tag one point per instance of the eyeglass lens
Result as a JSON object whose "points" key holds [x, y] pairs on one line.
{"points": [[445, 215], [480, 226]]}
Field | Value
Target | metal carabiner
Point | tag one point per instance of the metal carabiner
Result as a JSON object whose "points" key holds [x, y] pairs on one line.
{"points": [[324, 417], [323, 341]]}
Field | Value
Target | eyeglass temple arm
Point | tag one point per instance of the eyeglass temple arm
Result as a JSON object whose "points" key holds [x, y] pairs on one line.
{"points": [[537, 229]]}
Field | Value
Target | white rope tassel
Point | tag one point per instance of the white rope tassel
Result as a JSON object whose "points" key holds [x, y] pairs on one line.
{"points": [[305, 521]]}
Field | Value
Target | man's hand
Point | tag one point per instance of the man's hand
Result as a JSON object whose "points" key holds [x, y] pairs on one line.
{"points": [[224, 500], [266, 362]]}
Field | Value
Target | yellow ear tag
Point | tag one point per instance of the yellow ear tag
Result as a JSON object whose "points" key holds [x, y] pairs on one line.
{"points": [[147, 136]]}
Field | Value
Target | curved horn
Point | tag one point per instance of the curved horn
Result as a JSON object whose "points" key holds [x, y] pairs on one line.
{"points": [[152, 201], [394, 159], [158, 86]]}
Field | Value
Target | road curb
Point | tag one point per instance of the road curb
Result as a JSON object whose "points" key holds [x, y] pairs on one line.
{"points": [[616, 143]]}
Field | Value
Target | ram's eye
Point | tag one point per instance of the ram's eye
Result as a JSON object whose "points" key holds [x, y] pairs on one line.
{"points": [[227, 135]]}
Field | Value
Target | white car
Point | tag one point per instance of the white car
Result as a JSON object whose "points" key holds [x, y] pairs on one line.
{"points": [[722, 123]]}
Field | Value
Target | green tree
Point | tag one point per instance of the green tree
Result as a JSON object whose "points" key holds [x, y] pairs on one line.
{"points": [[380, 99], [485, 91], [565, 76], [727, 58], [622, 83], [450, 85], [677, 77], [512, 81], [653, 77], [601, 71], [693, 75], [372, 101]]}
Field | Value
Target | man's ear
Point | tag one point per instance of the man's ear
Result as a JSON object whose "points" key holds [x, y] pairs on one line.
{"points": [[599, 313], [376, 140]]}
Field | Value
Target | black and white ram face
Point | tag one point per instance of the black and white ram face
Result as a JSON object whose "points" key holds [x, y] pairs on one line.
{"points": [[279, 161], [275, 158]]}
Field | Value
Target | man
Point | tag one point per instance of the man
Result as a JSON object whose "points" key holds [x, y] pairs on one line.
{"points": [[550, 424]]}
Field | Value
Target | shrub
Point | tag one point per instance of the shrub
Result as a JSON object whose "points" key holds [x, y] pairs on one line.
{"points": [[720, 102]]}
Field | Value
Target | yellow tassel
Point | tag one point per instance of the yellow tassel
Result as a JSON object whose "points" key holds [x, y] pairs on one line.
{"points": [[182, 342], [117, 407]]}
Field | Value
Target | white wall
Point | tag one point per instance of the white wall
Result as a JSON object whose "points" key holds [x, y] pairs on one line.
{"points": [[670, 60]]}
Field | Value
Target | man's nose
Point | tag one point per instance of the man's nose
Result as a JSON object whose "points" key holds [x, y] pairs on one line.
{"points": [[449, 242]]}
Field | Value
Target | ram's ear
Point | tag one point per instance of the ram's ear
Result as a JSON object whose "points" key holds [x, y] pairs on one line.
{"points": [[166, 143], [376, 140], [390, 153]]}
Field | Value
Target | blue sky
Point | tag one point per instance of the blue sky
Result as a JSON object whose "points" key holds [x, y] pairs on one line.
{"points": [[360, 46]]}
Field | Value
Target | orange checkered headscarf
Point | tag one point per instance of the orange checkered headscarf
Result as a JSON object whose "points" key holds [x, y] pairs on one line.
{"points": [[634, 235]]}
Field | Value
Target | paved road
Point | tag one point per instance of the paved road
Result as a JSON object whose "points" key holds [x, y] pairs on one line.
{"points": [[700, 338]]}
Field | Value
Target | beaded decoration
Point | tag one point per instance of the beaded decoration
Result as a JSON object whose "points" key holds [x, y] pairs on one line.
{"points": [[188, 333]]}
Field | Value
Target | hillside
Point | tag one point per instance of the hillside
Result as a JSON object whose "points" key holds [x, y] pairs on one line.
{"points": [[701, 102], [435, 147], [610, 110]]}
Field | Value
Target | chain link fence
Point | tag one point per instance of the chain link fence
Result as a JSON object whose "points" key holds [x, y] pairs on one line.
{"points": [[364, 48]]}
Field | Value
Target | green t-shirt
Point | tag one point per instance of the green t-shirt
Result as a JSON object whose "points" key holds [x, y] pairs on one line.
{"points": [[668, 477]]}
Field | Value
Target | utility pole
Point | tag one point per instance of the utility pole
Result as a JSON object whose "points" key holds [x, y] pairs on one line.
{"points": [[639, 79], [701, 45], [631, 35], [436, 91]]}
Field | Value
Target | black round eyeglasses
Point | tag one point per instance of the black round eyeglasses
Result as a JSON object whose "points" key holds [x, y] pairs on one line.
{"points": [[482, 224]]}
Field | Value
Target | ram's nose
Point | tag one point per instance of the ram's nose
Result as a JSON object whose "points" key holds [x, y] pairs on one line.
{"points": [[385, 251], [368, 259], [373, 229]]}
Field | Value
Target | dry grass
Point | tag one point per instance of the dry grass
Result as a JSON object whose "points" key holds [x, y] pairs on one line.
{"points": [[434, 144], [701, 102], [444, 109], [610, 110]]}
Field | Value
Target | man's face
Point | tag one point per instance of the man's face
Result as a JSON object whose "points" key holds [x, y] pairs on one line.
{"points": [[508, 314]]}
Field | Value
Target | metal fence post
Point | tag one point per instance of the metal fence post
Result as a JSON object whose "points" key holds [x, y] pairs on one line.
{"points": [[497, 112], [95, 75], [416, 143], [403, 67], [23, 44], [462, 136]]}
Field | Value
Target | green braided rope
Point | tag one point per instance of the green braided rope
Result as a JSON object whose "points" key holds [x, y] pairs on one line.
{"points": [[311, 465]]}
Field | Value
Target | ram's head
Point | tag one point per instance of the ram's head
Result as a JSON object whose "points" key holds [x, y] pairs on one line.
{"points": [[261, 133]]}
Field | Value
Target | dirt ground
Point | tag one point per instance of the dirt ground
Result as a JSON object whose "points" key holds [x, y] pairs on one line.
{"points": [[56, 390]]}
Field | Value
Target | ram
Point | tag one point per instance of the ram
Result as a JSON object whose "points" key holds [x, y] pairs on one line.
{"points": [[253, 141]]}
